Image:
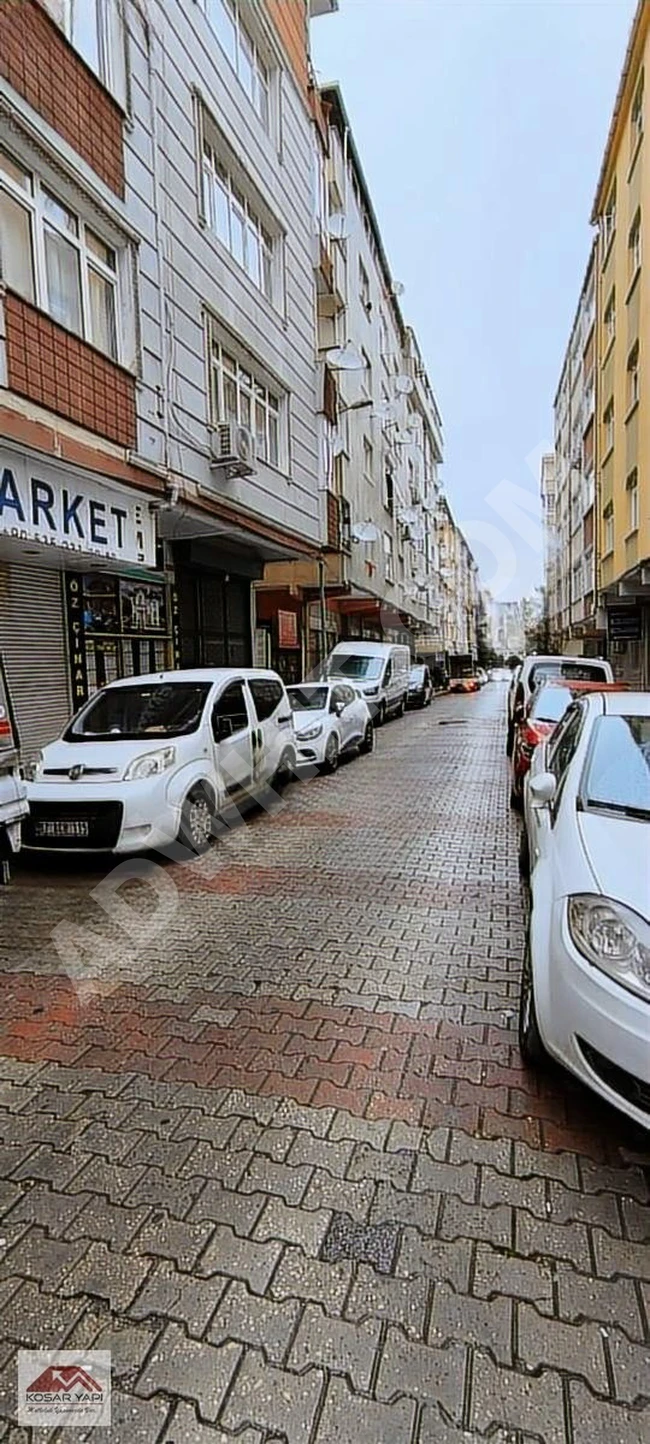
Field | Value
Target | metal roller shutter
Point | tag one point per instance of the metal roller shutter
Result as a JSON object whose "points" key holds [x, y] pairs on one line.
{"points": [[32, 638]]}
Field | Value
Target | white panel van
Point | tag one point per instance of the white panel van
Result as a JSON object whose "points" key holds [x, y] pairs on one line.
{"points": [[380, 672]]}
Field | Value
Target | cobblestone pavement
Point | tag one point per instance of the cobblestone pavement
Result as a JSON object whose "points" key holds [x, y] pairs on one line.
{"points": [[282, 1158]]}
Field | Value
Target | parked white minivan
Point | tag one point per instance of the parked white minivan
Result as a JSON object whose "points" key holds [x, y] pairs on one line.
{"points": [[152, 761], [13, 793], [379, 670]]}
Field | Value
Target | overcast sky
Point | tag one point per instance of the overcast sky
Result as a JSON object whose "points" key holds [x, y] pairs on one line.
{"points": [[481, 126]]}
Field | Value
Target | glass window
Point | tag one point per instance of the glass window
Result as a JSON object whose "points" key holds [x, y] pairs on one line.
{"points": [[16, 257], [267, 696], [238, 396], [307, 699], [231, 709], [565, 742], [222, 20], [551, 703], [159, 709], [234, 221], [225, 18], [352, 666], [103, 331], [63, 281], [617, 774]]}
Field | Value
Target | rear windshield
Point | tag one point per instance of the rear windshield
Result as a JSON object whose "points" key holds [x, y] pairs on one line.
{"points": [[617, 775], [416, 674], [308, 699], [159, 709], [347, 665], [578, 671], [551, 703]]}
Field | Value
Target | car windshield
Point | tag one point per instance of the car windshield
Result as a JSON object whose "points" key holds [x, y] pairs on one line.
{"points": [[157, 709], [348, 665], [551, 703], [416, 674], [578, 671], [308, 699], [617, 775]]}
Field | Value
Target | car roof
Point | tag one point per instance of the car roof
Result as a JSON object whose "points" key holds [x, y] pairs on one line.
{"points": [[197, 674], [538, 658], [569, 685], [627, 704], [369, 649]]}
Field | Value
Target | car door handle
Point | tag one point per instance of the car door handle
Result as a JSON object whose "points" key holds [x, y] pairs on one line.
{"points": [[285, 718]]}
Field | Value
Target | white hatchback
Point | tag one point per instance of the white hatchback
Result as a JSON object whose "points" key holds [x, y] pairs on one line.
{"points": [[329, 719], [585, 996], [153, 761]]}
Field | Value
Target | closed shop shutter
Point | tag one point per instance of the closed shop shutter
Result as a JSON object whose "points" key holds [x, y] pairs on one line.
{"points": [[32, 638]]}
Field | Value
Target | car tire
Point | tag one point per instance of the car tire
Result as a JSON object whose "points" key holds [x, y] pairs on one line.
{"points": [[531, 1047], [401, 707], [332, 755], [286, 768], [367, 743], [516, 802], [196, 828], [524, 856], [380, 715]]}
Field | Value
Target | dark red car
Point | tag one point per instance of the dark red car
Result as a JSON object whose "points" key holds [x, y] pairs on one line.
{"points": [[539, 719]]}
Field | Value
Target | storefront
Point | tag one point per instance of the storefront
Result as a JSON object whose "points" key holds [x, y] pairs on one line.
{"points": [[215, 601], [80, 599], [279, 633]]}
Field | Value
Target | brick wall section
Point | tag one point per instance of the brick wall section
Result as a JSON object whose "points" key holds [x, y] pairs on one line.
{"points": [[290, 20], [57, 370], [37, 61]]}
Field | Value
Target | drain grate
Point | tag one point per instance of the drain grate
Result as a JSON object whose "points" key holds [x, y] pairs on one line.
{"points": [[374, 1244]]}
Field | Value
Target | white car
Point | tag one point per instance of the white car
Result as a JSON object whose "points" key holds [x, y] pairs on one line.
{"points": [[585, 995], [329, 718], [153, 761]]}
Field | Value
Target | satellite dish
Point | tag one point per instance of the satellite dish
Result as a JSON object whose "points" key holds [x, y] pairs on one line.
{"points": [[397, 288], [365, 531], [337, 226], [403, 385], [345, 358], [388, 411], [404, 438]]}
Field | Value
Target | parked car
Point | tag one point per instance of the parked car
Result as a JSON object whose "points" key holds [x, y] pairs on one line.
{"points": [[546, 708], [481, 676], [380, 670], [420, 686], [154, 760], [13, 792], [463, 684], [329, 718], [585, 992], [537, 669]]}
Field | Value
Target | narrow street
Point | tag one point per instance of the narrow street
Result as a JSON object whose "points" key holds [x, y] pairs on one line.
{"points": [[281, 1157]]}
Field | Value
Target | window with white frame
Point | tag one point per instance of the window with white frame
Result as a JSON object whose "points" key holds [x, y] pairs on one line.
{"points": [[366, 374], [52, 258], [368, 462], [610, 317], [364, 288], [636, 116], [632, 488], [95, 30], [608, 427], [232, 218], [389, 571], [609, 218], [237, 394], [634, 247], [608, 519], [633, 376], [235, 39]]}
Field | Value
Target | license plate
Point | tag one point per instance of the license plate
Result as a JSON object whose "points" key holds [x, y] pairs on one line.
{"points": [[13, 833], [56, 828]]}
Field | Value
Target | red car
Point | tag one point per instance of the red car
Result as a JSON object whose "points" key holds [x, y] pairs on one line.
{"points": [[546, 708]]}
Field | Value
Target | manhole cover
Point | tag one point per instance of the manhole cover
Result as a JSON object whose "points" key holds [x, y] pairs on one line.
{"points": [[374, 1244]]}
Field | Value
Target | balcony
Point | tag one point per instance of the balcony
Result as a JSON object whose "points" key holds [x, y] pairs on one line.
{"points": [[330, 278]]}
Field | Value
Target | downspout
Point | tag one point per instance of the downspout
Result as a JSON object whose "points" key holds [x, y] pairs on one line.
{"points": [[163, 390]]}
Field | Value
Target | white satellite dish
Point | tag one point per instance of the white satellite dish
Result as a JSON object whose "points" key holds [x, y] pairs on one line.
{"points": [[337, 226], [365, 531], [397, 288], [345, 358], [388, 411], [403, 384]]}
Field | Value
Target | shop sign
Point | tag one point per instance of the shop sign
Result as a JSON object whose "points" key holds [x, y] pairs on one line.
{"points": [[287, 630], [74, 609], [624, 624], [41, 503]]}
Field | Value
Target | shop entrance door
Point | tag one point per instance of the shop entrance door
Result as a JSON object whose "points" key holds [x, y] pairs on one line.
{"points": [[215, 619]]}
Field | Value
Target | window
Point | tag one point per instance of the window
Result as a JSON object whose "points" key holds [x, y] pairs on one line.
{"points": [[389, 491], [636, 116], [633, 376], [565, 742], [384, 344], [608, 520], [94, 28], [632, 487], [233, 220], [364, 288], [367, 374], [388, 556], [52, 258], [610, 318], [609, 220], [345, 522], [237, 395], [230, 714], [368, 462], [242, 52], [267, 696], [608, 427], [634, 247]]}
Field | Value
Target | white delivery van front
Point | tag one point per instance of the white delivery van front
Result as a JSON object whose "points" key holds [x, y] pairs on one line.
{"points": [[379, 671]]}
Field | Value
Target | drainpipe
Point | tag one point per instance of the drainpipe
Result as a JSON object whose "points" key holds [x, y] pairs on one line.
{"points": [[323, 609]]}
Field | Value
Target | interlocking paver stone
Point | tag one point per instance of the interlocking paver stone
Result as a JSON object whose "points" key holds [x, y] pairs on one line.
{"points": [[282, 1403], [189, 1370], [347, 1419]]}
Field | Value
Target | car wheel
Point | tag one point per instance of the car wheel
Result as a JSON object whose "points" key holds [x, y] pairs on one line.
{"points": [[531, 1046], [524, 856], [197, 821], [515, 799], [399, 710], [380, 716], [285, 769], [331, 760], [368, 742]]}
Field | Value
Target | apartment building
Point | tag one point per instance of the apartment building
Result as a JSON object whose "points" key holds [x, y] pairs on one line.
{"points": [[158, 442], [620, 212], [552, 588]]}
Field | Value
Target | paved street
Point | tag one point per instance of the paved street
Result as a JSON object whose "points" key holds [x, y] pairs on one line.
{"points": [[280, 1156]]}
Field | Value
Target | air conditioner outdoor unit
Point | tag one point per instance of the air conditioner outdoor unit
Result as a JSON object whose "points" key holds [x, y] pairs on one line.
{"points": [[233, 447]]}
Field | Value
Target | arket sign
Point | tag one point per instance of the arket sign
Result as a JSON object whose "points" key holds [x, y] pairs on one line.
{"points": [[67, 1389], [41, 503]]}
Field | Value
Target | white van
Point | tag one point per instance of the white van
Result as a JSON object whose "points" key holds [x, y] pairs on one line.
{"points": [[152, 761], [13, 793], [379, 671]]}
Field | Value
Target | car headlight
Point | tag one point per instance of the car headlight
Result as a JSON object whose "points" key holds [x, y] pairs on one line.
{"points": [[371, 692], [613, 938], [32, 769], [151, 764], [310, 732]]}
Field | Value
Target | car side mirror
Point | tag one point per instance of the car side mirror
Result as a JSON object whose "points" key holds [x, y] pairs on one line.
{"points": [[542, 789], [339, 708]]}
